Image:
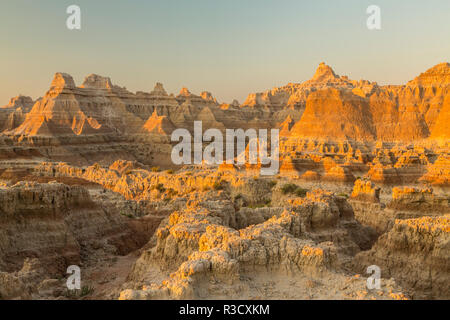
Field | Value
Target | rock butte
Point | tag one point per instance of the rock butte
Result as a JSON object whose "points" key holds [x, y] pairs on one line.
{"points": [[86, 178]]}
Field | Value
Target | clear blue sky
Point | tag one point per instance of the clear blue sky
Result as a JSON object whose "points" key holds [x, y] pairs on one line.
{"points": [[230, 48]]}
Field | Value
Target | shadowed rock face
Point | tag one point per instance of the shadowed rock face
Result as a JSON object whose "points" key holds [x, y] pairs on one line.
{"points": [[417, 253], [56, 224], [13, 114]]}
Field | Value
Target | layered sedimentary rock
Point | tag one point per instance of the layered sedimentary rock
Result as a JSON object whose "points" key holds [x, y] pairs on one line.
{"points": [[211, 251], [416, 252], [365, 191], [95, 107], [334, 107], [329, 110], [335, 114], [404, 203], [217, 234], [438, 173], [13, 114], [56, 224]]}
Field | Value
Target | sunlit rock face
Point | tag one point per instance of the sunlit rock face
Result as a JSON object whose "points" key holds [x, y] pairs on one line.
{"points": [[327, 109], [327, 106]]}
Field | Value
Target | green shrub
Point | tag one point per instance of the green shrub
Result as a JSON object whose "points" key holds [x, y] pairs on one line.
{"points": [[218, 185], [343, 195], [300, 192], [288, 188], [83, 292], [126, 214], [86, 290], [255, 206], [291, 188], [159, 187], [172, 192]]}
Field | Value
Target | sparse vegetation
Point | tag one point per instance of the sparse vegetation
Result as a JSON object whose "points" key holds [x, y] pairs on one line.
{"points": [[79, 293], [170, 171], [159, 187], [86, 291], [155, 169], [292, 188], [171, 192], [265, 203], [273, 183], [288, 188], [300, 192], [255, 206], [218, 185], [126, 214]]}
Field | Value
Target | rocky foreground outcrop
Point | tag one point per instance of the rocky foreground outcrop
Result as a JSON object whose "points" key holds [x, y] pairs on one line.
{"points": [[44, 228], [405, 203], [225, 233], [209, 251], [417, 253]]}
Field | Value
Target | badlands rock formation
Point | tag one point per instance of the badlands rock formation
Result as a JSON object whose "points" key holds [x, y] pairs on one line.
{"points": [[416, 253], [86, 178], [216, 252], [13, 114], [56, 225]]}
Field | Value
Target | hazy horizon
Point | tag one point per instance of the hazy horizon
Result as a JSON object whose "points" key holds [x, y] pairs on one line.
{"points": [[229, 49]]}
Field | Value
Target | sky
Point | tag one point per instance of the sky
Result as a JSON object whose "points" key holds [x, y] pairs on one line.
{"points": [[230, 48]]}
